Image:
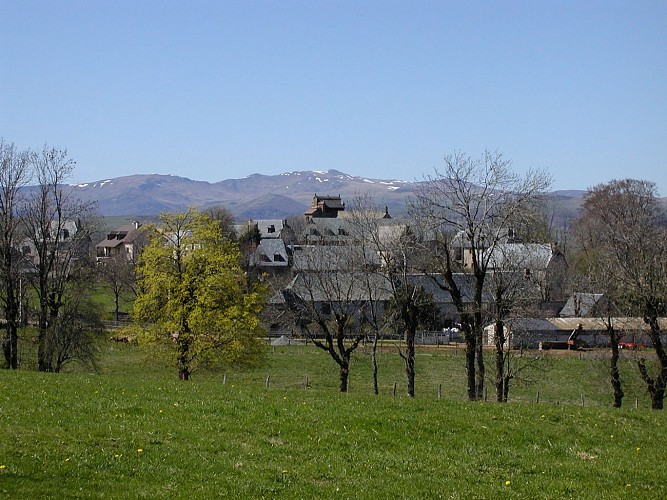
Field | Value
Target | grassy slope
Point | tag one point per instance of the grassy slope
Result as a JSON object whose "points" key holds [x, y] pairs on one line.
{"points": [[80, 435]]}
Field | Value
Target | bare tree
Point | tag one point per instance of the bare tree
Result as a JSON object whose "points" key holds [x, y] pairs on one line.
{"points": [[364, 230], [225, 219], [595, 272], [58, 227], [14, 174], [118, 274], [515, 293], [395, 249], [328, 300], [474, 200], [630, 231]]}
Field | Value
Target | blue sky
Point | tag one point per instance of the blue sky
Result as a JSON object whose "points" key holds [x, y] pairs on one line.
{"points": [[212, 90]]}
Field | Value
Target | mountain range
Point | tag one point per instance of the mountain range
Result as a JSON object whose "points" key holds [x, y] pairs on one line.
{"points": [[254, 197]]}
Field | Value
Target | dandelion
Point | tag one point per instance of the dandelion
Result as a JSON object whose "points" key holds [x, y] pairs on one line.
{"points": [[508, 482], [3, 467], [638, 449], [628, 485], [139, 450]]}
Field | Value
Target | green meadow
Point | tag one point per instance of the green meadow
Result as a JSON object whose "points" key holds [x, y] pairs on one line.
{"points": [[282, 430]]}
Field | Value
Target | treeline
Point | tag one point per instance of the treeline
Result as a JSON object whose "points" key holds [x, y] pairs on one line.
{"points": [[198, 300]]}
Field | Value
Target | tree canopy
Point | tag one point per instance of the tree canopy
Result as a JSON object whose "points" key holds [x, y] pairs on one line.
{"points": [[193, 297]]}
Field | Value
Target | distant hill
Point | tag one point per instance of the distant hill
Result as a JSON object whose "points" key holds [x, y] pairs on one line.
{"points": [[256, 196]]}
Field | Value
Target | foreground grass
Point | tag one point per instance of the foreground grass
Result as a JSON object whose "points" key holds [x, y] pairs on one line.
{"points": [[135, 431]]}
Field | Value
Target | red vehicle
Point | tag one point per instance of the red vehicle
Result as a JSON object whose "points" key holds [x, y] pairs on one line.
{"points": [[631, 343]]}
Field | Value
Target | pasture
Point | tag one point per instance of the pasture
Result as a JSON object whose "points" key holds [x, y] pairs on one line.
{"points": [[133, 430]]}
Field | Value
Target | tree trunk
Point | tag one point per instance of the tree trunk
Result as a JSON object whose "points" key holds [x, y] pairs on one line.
{"points": [[614, 371], [470, 364], [183, 360], [500, 361], [116, 307], [656, 387], [374, 363], [344, 375], [506, 388], [43, 362], [479, 358], [410, 362], [10, 346]]}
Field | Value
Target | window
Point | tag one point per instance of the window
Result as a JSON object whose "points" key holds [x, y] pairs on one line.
{"points": [[271, 229]]}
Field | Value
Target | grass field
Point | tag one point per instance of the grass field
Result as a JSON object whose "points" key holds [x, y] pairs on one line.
{"points": [[133, 430]]}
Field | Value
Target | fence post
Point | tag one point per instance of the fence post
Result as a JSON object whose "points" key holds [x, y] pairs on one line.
{"points": [[636, 402], [394, 388], [582, 401], [306, 386], [268, 379], [224, 379], [439, 391], [537, 397]]}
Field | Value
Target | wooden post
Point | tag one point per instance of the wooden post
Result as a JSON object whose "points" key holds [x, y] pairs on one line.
{"points": [[306, 386], [537, 397], [439, 392], [394, 388], [582, 401], [636, 402], [268, 379]]}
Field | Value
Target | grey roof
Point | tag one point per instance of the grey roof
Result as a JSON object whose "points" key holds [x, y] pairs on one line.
{"points": [[330, 229], [335, 257], [580, 304], [270, 253], [336, 286], [434, 284], [270, 228], [507, 256]]}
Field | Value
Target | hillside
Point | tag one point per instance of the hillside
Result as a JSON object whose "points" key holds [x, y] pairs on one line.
{"points": [[256, 196]]}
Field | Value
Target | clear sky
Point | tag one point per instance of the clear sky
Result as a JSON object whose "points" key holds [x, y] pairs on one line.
{"points": [[212, 90]]}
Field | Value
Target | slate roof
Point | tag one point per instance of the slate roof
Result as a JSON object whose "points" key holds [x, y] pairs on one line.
{"points": [[585, 306], [318, 257], [271, 253], [534, 256], [336, 286]]}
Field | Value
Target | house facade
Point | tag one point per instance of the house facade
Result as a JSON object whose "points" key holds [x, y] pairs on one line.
{"points": [[124, 241]]}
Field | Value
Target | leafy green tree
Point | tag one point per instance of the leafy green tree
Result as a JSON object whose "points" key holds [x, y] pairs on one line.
{"points": [[193, 297]]}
